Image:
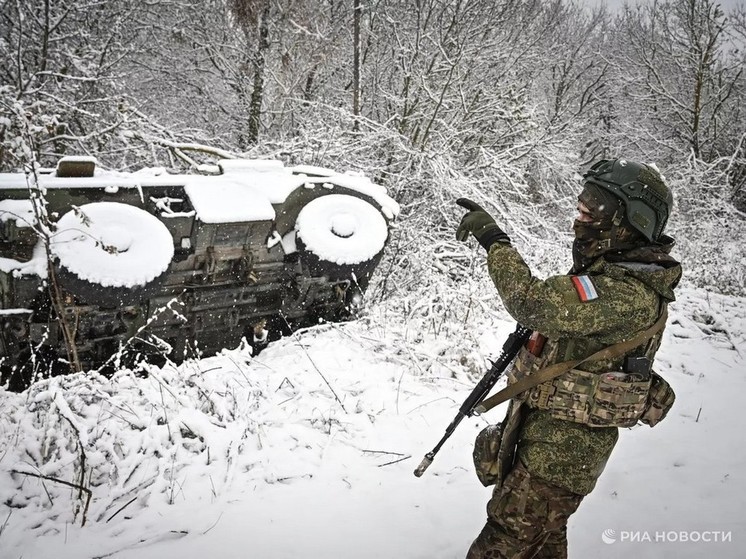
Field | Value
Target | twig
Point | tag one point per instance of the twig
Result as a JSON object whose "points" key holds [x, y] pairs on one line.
{"points": [[383, 452], [2, 528], [284, 381], [120, 509], [428, 403], [237, 369], [171, 481], [213, 526], [179, 147], [288, 478], [407, 457], [88, 492], [80, 446], [165, 410], [286, 400], [212, 484], [80, 485]]}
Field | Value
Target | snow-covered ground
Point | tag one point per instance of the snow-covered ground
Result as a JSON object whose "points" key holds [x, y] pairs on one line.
{"points": [[307, 451]]}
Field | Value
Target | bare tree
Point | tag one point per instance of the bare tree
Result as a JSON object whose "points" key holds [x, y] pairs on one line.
{"points": [[253, 16], [357, 10], [60, 60], [678, 73]]}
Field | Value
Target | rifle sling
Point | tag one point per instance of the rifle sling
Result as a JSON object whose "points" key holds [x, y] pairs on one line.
{"points": [[553, 371]]}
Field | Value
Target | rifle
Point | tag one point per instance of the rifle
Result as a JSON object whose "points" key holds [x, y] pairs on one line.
{"points": [[510, 349]]}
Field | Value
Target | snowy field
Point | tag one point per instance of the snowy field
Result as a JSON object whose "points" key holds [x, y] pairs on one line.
{"points": [[307, 451]]}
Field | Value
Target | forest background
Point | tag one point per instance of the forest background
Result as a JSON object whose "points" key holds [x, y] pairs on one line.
{"points": [[501, 101]]}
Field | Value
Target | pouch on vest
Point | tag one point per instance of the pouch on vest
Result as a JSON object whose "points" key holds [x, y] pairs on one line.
{"points": [[484, 455], [660, 401], [598, 400], [494, 447], [620, 400]]}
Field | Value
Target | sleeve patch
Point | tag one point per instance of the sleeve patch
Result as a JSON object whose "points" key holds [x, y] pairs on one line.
{"points": [[585, 288]]}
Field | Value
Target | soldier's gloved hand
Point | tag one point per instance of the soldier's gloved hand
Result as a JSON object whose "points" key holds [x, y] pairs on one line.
{"points": [[480, 224]]}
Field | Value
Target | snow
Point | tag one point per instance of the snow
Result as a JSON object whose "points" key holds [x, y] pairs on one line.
{"points": [[313, 170], [242, 165], [342, 229], [77, 159], [21, 211], [365, 186], [166, 211], [37, 265], [274, 186], [237, 456], [9, 264], [227, 200], [7, 312], [113, 244], [289, 245]]}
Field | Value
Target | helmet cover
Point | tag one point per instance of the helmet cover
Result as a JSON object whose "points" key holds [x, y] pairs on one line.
{"points": [[646, 199]]}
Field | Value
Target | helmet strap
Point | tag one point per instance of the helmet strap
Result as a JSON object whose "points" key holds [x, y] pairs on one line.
{"points": [[616, 221]]}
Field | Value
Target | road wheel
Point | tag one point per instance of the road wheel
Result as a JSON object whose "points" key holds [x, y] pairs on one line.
{"points": [[111, 254]]}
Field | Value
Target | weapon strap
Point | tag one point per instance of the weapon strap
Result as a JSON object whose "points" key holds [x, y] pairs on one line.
{"points": [[553, 371]]}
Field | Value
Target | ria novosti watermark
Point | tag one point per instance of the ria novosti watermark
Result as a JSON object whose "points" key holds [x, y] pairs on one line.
{"points": [[666, 536]]}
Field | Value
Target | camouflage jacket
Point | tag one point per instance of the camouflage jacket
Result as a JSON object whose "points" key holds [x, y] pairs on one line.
{"points": [[611, 302]]}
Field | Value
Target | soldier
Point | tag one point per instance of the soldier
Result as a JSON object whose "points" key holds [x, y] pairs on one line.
{"points": [[559, 434]]}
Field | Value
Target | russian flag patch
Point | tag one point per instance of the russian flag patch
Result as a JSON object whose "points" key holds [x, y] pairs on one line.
{"points": [[585, 288]]}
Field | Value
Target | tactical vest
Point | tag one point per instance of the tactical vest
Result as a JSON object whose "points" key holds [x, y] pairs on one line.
{"points": [[600, 398]]}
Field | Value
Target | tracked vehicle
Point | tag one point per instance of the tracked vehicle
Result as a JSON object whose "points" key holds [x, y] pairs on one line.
{"points": [[178, 264]]}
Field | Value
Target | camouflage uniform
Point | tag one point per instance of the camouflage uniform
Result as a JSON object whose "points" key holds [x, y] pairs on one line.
{"points": [[558, 461]]}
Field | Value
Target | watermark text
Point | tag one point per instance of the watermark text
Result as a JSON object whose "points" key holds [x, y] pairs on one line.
{"points": [[666, 536]]}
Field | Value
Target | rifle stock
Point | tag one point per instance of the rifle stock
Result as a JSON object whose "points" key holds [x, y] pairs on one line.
{"points": [[510, 349]]}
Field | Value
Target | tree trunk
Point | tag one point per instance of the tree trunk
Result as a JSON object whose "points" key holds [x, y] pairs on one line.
{"points": [[356, 13], [258, 63]]}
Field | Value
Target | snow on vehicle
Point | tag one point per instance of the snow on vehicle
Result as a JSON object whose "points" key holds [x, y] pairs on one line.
{"points": [[182, 262]]}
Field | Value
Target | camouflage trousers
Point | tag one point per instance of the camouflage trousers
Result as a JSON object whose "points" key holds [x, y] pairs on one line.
{"points": [[527, 519]]}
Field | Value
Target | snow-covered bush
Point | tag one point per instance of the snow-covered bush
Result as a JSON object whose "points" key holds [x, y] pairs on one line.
{"points": [[708, 229]]}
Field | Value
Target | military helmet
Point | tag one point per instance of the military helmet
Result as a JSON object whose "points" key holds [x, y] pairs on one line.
{"points": [[646, 198]]}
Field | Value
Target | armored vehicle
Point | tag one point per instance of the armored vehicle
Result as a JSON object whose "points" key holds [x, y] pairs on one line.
{"points": [[178, 264]]}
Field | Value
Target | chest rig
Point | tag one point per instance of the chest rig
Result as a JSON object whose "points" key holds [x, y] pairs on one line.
{"points": [[606, 398]]}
